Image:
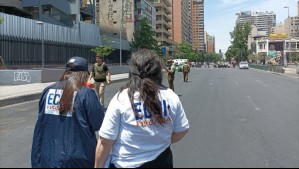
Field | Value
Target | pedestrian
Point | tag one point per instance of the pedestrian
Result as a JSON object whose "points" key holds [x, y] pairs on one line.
{"points": [[102, 77], [186, 71], [171, 67], [143, 119], [69, 115]]}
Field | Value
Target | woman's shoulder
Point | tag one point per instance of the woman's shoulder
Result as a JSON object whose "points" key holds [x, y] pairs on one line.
{"points": [[167, 92]]}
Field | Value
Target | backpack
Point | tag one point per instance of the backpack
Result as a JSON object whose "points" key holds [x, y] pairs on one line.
{"points": [[100, 73], [186, 69]]}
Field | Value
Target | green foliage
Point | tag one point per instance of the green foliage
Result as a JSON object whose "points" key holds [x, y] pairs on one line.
{"points": [[144, 38], [1, 20], [185, 52], [104, 50], [213, 57], [239, 48]]}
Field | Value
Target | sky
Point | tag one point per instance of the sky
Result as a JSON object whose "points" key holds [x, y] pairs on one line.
{"points": [[220, 15]]}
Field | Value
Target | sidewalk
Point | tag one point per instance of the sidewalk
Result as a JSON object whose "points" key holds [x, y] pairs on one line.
{"points": [[22, 93], [291, 71]]}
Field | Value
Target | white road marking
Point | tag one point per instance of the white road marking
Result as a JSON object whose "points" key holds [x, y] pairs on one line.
{"points": [[262, 83], [237, 83], [254, 105]]}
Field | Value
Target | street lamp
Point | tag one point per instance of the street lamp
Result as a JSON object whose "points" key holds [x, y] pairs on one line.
{"points": [[289, 34], [43, 48], [120, 35]]}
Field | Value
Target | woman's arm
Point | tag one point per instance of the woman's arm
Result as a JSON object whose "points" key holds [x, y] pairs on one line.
{"points": [[176, 137], [102, 152]]}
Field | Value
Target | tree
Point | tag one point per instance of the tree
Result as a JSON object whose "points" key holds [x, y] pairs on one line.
{"points": [[1, 20], [144, 38], [239, 41], [103, 50], [186, 52]]}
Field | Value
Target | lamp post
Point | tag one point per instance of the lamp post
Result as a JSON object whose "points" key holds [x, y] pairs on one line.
{"points": [[120, 34], [289, 34], [43, 46]]}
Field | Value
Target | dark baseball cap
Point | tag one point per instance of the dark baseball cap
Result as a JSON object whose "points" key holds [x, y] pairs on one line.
{"points": [[77, 63]]}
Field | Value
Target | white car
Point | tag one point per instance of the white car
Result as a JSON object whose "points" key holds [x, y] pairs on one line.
{"points": [[243, 65]]}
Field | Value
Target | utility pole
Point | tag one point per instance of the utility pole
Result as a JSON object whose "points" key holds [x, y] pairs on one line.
{"points": [[120, 33]]}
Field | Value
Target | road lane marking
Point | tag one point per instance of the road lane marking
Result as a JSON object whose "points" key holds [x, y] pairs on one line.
{"points": [[211, 84], [237, 83], [262, 83], [254, 105]]}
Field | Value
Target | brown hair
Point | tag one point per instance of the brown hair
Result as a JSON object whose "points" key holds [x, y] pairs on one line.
{"points": [[73, 81], [100, 56], [145, 77]]}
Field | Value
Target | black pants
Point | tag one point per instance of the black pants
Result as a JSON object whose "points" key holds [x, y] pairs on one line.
{"points": [[164, 160]]}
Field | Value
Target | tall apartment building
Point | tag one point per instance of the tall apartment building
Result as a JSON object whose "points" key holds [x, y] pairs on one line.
{"points": [[181, 21], [163, 22], [112, 15], [198, 31], [145, 9], [65, 13], [210, 43], [264, 21]]}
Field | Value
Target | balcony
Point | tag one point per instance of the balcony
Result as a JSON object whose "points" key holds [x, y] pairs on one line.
{"points": [[165, 24], [166, 17], [163, 7], [164, 31], [165, 40]]}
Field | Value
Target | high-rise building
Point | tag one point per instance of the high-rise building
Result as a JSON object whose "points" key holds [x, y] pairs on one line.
{"points": [[163, 24], [210, 43], [145, 9], [181, 24], [113, 15], [198, 31], [264, 21]]}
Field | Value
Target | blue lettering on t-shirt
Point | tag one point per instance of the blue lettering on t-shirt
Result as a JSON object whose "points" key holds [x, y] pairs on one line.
{"points": [[148, 115], [137, 110], [53, 100]]}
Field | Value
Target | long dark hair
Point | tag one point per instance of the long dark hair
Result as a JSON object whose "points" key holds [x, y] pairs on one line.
{"points": [[145, 77], [73, 81]]}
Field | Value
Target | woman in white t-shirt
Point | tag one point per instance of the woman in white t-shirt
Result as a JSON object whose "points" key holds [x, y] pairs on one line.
{"points": [[142, 120]]}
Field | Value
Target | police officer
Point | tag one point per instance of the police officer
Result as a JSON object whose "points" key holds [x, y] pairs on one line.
{"points": [[171, 67], [69, 115]]}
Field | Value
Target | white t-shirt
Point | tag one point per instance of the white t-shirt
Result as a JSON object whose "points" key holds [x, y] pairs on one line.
{"points": [[141, 139]]}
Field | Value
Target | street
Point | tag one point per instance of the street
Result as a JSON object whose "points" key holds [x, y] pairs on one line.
{"points": [[238, 118]]}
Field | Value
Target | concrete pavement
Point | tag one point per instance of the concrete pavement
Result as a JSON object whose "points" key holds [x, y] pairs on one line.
{"points": [[20, 93]]}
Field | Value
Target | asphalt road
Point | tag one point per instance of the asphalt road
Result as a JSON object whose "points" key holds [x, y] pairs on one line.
{"points": [[238, 118]]}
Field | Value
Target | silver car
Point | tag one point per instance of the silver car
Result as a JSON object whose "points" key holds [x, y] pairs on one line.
{"points": [[243, 65]]}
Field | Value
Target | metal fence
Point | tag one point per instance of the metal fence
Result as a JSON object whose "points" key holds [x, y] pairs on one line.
{"points": [[21, 42], [84, 34]]}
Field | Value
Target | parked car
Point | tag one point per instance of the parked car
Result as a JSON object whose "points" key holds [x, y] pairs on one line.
{"points": [[243, 65]]}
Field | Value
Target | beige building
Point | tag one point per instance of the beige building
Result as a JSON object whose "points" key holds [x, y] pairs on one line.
{"points": [[109, 14], [198, 31], [164, 22], [278, 29], [292, 26], [182, 21], [164, 27]]}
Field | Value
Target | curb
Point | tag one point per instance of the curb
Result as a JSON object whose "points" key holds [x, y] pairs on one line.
{"points": [[34, 96], [275, 73]]}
